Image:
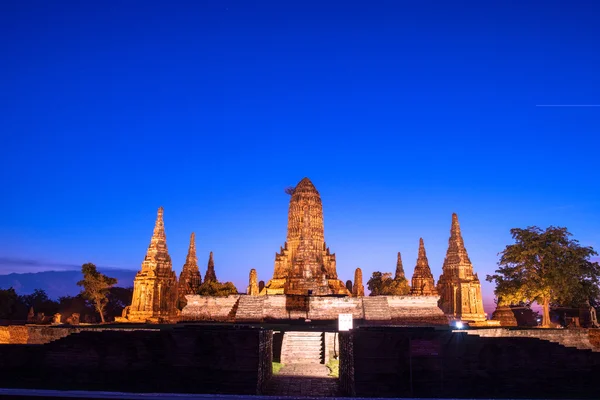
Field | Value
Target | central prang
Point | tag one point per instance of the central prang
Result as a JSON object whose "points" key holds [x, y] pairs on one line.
{"points": [[304, 265]]}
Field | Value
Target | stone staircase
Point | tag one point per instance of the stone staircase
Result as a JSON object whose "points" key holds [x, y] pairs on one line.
{"points": [[250, 309], [573, 338], [303, 348], [376, 308]]}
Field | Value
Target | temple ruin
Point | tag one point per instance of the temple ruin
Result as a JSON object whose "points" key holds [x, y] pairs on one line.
{"points": [[358, 289], [458, 286], [304, 265], [305, 283], [210, 276], [155, 285], [399, 269], [252, 289], [422, 280], [189, 279]]}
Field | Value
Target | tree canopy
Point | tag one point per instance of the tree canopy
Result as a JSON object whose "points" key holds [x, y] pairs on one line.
{"points": [[96, 287], [381, 284], [211, 288], [548, 267]]}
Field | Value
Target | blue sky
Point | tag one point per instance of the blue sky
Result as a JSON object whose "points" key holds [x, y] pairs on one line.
{"points": [[400, 112]]}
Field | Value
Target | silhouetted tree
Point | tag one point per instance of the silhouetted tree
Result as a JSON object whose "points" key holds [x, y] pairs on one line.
{"points": [[96, 287], [40, 302]]}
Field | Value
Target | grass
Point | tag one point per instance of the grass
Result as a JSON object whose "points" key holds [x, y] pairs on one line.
{"points": [[276, 367], [334, 368]]}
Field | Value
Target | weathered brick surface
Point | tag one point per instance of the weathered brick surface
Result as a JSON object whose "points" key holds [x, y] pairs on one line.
{"points": [[332, 346], [459, 286], [209, 308], [181, 359], [302, 347], [305, 263], [155, 285], [594, 338], [402, 310], [577, 338], [418, 362], [36, 334], [346, 364]]}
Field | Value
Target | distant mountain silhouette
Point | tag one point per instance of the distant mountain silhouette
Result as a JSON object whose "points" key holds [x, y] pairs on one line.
{"points": [[59, 283]]}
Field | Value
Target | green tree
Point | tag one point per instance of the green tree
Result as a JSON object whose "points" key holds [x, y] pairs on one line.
{"points": [[382, 284], [210, 288], [547, 267], [96, 287]]}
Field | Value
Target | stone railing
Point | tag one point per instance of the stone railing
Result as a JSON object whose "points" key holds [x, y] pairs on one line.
{"points": [[421, 362]]}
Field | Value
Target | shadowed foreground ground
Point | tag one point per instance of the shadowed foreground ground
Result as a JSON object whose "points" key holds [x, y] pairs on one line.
{"points": [[303, 380], [24, 394]]}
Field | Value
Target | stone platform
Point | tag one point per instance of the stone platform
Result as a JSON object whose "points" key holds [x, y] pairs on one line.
{"points": [[398, 310]]}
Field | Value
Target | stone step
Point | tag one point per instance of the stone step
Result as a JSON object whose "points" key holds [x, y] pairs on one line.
{"points": [[376, 308], [304, 334], [302, 347], [250, 309]]}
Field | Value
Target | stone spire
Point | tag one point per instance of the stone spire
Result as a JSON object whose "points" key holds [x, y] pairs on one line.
{"points": [[210, 271], [422, 280], [458, 286], [399, 269], [189, 279], [358, 289], [155, 285], [252, 289], [457, 262], [157, 255]]}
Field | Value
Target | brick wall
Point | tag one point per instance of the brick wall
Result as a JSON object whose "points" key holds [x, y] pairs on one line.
{"points": [[346, 382], [405, 310], [209, 308], [594, 338], [416, 310], [579, 338], [32, 334], [178, 359], [332, 346], [420, 362]]}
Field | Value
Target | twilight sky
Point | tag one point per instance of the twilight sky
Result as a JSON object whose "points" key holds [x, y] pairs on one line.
{"points": [[400, 112]]}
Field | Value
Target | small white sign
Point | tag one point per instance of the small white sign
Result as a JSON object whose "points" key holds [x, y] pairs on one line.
{"points": [[344, 322]]}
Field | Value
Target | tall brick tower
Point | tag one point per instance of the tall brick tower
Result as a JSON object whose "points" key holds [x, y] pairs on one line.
{"points": [[189, 279], [458, 286], [155, 285], [305, 254], [422, 280]]}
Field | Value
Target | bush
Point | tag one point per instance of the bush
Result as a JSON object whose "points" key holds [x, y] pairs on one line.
{"points": [[211, 288]]}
